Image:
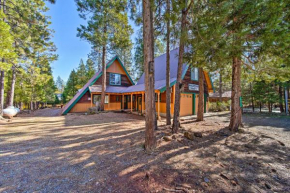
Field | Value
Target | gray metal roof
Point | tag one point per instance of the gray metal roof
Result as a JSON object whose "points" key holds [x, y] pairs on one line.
{"points": [[159, 84], [109, 89], [226, 94], [160, 67]]}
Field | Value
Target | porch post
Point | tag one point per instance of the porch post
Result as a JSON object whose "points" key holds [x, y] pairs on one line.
{"points": [[142, 98], [158, 102], [136, 102], [131, 102], [108, 101], [123, 101], [91, 99], [173, 101]]}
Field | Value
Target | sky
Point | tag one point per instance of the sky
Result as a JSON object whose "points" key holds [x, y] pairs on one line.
{"points": [[70, 48]]}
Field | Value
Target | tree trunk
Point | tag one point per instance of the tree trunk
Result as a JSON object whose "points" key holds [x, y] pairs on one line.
{"points": [[200, 95], [220, 87], [31, 106], [260, 107], [252, 97], [281, 99], [21, 105], [236, 111], [168, 89], [10, 94], [176, 121], [1, 92], [150, 109], [286, 100], [102, 105]]}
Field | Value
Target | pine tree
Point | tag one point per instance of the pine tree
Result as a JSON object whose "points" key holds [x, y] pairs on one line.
{"points": [[168, 89], [81, 74], [240, 33], [31, 42], [90, 69], [107, 29], [184, 8], [138, 55], [200, 109], [60, 84], [150, 115], [70, 89], [7, 54]]}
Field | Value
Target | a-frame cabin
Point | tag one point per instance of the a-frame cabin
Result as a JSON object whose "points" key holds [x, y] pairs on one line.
{"points": [[117, 79], [122, 94]]}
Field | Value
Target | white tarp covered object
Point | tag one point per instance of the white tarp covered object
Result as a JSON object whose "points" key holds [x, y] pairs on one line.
{"points": [[10, 111]]}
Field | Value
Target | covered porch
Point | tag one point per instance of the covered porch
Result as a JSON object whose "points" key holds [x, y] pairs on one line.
{"points": [[130, 101]]}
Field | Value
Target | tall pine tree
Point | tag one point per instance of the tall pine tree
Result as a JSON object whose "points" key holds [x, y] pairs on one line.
{"points": [[107, 29]]}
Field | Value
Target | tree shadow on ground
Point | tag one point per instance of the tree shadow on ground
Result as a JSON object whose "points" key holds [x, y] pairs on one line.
{"points": [[107, 155]]}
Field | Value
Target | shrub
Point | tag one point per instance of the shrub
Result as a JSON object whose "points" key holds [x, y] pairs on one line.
{"points": [[93, 110], [219, 106]]}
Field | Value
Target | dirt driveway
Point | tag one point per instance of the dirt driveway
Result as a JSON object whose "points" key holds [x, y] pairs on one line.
{"points": [[104, 153]]}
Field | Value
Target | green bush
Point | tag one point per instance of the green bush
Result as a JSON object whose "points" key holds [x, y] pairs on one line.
{"points": [[219, 106]]}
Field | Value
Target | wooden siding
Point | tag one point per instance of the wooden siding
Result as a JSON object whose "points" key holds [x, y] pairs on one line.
{"points": [[217, 99], [85, 98], [124, 80], [113, 106], [186, 104], [163, 97], [115, 68], [115, 98], [209, 83], [187, 80], [80, 108], [163, 108]]}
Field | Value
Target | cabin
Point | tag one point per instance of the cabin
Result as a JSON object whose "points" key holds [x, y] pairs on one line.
{"points": [[215, 97], [123, 94]]}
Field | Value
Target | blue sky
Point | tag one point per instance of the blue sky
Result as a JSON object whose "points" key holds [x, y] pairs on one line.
{"points": [[70, 48]]}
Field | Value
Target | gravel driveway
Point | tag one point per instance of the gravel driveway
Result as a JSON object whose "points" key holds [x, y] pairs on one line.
{"points": [[271, 125]]}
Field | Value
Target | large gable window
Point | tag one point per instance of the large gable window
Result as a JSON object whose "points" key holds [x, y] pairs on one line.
{"points": [[194, 73], [115, 79]]}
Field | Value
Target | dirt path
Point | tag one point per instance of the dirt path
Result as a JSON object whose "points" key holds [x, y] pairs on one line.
{"points": [[104, 153], [273, 125], [48, 112]]}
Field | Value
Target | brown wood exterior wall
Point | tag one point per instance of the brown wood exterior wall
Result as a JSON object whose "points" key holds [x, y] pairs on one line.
{"points": [[187, 80], [217, 99], [124, 80], [85, 98], [163, 97]]}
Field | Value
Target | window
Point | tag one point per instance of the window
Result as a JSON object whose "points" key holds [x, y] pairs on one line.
{"points": [[194, 73], [97, 99], [106, 99], [117, 99], [115, 79]]}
